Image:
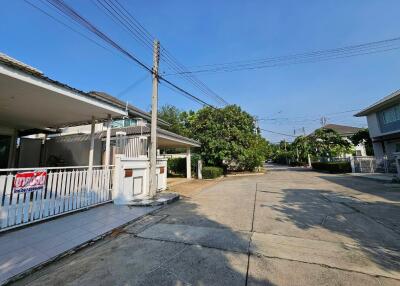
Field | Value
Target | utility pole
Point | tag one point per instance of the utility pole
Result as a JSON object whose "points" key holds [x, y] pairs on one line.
{"points": [[323, 121], [154, 110]]}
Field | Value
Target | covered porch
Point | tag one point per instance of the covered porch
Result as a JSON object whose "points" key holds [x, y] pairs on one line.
{"points": [[31, 103], [133, 142]]}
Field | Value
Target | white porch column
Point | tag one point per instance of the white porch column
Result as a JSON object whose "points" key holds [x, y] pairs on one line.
{"points": [[188, 164], [199, 169], [108, 139], [91, 149]]}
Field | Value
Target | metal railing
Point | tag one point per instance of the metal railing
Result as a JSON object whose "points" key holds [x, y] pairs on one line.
{"points": [[63, 190], [370, 164]]}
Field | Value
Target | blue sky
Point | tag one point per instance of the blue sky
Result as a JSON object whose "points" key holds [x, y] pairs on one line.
{"points": [[207, 32]]}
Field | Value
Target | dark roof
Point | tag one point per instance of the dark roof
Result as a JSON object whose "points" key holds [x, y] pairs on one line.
{"points": [[102, 96], [145, 130], [132, 110], [343, 130], [387, 101]]}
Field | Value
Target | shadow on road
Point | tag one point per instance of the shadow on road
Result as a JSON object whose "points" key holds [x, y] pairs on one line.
{"points": [[195, 256], [371, 226], [366, 186]]}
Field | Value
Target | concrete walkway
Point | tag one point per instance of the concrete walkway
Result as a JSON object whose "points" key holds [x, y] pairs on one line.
{"points": [[37, 244], [287, 227]]}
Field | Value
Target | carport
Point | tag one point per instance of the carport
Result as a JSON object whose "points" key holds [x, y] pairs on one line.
{"points": [[31, 103], [165, 139]]}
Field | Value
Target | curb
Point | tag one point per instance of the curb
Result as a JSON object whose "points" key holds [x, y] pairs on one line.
{"points": [[74, 249]]}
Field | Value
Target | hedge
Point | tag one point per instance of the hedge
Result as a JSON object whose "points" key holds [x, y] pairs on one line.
{"points": [[212, 172], [176, 165], [297, 164], [332, 167]]}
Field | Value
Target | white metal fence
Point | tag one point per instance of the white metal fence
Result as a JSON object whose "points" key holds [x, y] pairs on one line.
{"points": [[67, 189], [370, 164], [131, 147]]}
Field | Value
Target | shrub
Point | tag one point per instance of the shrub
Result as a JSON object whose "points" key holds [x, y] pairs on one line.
{"points": [[176, 165], [212, 172], [297, 164], [332, 167]]}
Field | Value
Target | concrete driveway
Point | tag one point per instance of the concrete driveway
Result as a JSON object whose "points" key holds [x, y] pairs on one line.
{"points": [[287, 227]]}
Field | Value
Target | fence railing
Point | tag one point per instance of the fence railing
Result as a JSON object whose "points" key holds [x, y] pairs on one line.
{"points": [[131, 147], [66, 189], [369, 164]]}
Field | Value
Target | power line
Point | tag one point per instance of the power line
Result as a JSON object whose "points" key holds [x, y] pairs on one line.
{"points": [[274, 132], [66, 25], [133, 85], [305, 117], [118, 13], [73, 15], [308, 57]]}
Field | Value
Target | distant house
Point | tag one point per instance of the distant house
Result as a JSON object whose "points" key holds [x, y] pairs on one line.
{"points": [[383, 119], [346, 132]]}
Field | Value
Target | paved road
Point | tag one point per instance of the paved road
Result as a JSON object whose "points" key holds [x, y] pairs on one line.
{"points": [[287, 227]]}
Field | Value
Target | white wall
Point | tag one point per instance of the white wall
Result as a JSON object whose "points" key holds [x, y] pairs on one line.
{"points": [[86, 129], [74, 150], [373, 125]]}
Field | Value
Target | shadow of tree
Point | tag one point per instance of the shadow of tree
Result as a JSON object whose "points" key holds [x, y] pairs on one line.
{"points": [[359, 186], [352, 221], [125, 258]]}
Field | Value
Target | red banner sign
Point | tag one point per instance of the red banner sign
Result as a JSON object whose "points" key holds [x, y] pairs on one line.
{"points": [[27, 182]]}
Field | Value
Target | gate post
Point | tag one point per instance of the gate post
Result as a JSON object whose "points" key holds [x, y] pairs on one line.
{"points": [[353, 167], [199, 169], [118, 194], [397, 158]]}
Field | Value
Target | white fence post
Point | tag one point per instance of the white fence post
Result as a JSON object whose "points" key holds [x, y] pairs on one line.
{"points": [[353, 167], [199, 169], [397, 159]]}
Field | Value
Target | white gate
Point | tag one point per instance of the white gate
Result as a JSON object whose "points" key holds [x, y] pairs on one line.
{"points": [[67, 189], [370, 164]]}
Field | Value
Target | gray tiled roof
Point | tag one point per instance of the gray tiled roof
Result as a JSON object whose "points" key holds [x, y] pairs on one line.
{"points": [[145, 130], [343, 130]]}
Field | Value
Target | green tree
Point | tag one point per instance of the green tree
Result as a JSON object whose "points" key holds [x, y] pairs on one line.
{"points": [[326, 142], [362, 136], [172, 115], [228, 137]]}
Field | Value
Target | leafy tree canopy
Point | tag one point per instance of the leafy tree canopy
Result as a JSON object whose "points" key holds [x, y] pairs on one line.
{"points": [[228, 136], [362, 136]]}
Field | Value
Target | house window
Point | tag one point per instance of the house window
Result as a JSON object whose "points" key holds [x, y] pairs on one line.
{"points": [[391, 114], [397, 147], [126, 122]]}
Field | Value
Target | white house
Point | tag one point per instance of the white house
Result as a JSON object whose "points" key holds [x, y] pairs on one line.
{"points": [[41, 117], [346, 132]]}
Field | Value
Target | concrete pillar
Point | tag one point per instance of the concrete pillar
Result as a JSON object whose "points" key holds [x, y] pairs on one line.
{"points": [[309, 161], [353, 167], [199, 169], [108, 140], [188, 164], [91, 153], [91, 149]]}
